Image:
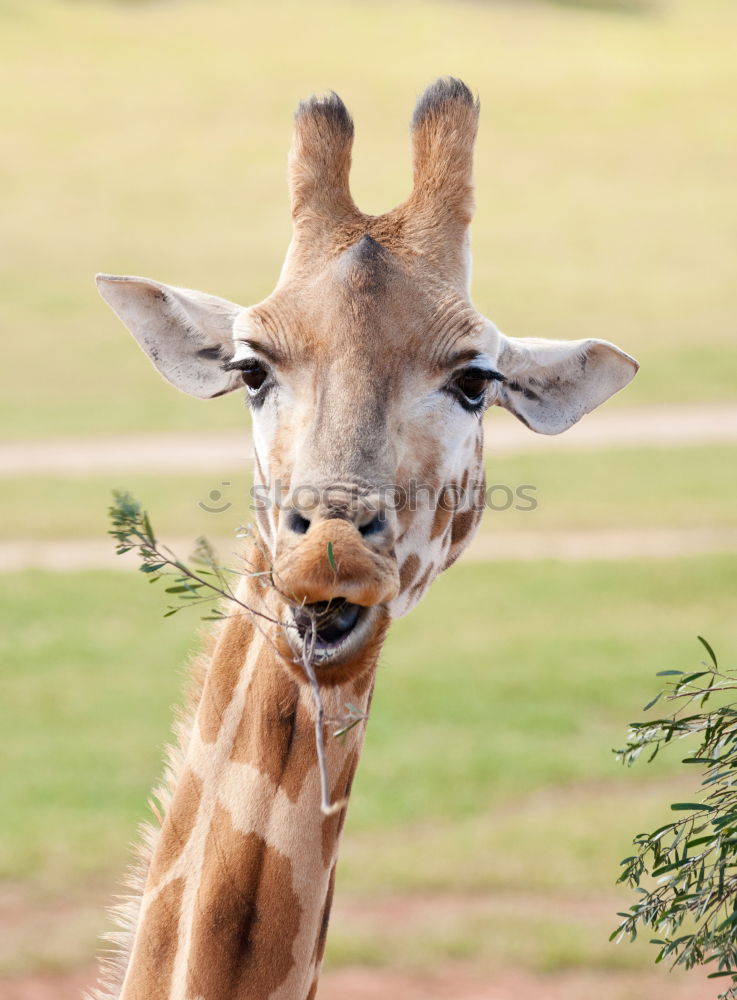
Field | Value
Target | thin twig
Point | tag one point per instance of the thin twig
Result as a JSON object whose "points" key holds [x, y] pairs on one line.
{"points": [[308, 651]]}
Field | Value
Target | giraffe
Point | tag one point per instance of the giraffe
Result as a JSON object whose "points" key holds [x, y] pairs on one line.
{"points": [[367, 371]]}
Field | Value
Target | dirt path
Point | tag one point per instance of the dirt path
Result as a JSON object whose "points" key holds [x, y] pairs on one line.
{"points": [[455, 982], [564, 546], [663, 426], [459, 983]]}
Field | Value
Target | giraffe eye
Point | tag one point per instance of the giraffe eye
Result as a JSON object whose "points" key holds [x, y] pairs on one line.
{"points": [[254, 375], [473, 382], [470, 386]]}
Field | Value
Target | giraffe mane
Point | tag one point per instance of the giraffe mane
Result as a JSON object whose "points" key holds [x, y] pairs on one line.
{"points": [[124, 912]]}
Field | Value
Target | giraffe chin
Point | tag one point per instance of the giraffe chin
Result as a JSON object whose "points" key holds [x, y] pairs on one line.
{"points": [[339, 637]]}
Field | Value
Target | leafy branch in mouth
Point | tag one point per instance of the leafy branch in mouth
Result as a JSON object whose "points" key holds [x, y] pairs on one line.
{"points": [[690, 863], [132, 530]]}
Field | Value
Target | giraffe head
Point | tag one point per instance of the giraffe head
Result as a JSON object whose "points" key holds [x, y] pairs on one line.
{"points": [[368, 371]]}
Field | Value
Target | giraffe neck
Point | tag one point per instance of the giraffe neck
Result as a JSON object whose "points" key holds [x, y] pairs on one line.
{"points": [[237, 896]]}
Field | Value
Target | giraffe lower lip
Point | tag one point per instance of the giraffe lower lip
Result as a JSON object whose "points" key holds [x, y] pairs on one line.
{"points": [[329, 622]]}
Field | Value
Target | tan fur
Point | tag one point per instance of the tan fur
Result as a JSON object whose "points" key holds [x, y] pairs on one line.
{"points": [[228, 652], [319, 164], [332, 826], [430, 225]]}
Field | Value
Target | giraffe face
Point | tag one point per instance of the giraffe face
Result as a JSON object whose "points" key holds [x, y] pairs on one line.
{"points": [[367, 371], [367, 386]]}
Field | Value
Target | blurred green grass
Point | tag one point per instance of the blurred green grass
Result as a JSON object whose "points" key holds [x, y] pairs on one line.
{"points": [[465, 720], [51, 507], [613, 488], [152, 139]]}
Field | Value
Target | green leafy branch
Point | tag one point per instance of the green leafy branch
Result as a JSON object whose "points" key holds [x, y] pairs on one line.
{"points": [[132, 530], [692, 904]]}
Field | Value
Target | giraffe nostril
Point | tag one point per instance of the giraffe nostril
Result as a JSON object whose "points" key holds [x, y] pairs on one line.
{"points": [[375, 526], [297, 523]]}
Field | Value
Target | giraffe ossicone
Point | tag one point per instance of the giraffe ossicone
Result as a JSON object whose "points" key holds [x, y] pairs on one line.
{"points": [[368, 371]]}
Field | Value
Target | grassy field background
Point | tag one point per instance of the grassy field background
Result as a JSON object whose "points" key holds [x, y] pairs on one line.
{"points": [[151, 138]]}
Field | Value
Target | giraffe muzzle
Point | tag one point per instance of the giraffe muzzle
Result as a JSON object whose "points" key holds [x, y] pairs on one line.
{"points": [[336, 581], [334, 563]]}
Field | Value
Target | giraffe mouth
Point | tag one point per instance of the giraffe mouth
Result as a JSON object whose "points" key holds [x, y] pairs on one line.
{"points": [[329, 631]]}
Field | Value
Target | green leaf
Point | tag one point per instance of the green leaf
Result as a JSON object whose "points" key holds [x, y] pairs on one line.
{"points": [[331, 556], [690, 806], [709, 650], [690, 678], [147, 526], [650, 704], [657, 834], [346, 728], [667, 868], [701, 840]]}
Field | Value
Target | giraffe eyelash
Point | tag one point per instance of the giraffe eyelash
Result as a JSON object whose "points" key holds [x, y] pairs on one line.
{"points": [[473, 403], [256, 378]]}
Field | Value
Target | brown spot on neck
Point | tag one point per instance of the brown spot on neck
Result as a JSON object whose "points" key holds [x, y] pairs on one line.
{"points": [[408, 571], [276, 734], [177, 826], [152, 963], [246, 917], [440, 521], [463, 525], [419, 588]]}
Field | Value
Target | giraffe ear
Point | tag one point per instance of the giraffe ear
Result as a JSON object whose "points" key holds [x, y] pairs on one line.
{"points": [[550, 384], [187, 335]]}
